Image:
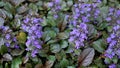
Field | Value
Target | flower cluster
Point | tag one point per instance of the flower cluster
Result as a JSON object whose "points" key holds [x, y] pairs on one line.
{"points": [[33, 28], [82, 14], [114, 43], [79, 35], [112, 66], [10, 40], [55, 7], [113, 40]]}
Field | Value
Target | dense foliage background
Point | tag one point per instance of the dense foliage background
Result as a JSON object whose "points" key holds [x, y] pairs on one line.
{"points": [[59, 34]]}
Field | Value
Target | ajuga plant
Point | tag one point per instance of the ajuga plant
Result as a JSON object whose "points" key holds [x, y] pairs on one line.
{"points": [[32, 26], [59, 34]]}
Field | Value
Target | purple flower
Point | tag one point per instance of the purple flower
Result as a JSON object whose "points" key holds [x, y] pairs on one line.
{"points": [[83, 26], [118, 21], [112, 43], [118, 12], [26, 20], [38, 46], [112, 36], [83, 36], [74, 22], [7, 36], [55, 16], [108, 19], [88, 15], [34, 52], [109, 39], [77, 10], [28, 43], [98, 0], [116, 27], [33, 28], [57, 1], [36, 20], [97, 12], [71, 39], [88, 9], [112, 66], [16, 46], [109, 53], [94, 5], [7, 44], [50, 4], [14, 39], [118, 53], [111, 9], [85, 19], [77, 44], [36, 42]]}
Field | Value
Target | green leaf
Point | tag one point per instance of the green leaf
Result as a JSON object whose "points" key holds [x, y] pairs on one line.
{"points": [[51, 58], [99, 45], [52, 34], [70, 66], [33, 7], [91, 31], [22, 9], [22, 37], [64, 63], [107, 60], [104, 11], [44, 23], [35, 60], [39, 5], [50, 21], [3, 49], [6, 65], [69, 49], [2, 13], [9, 8], [48, 64], [64, 6], [16, 62], [46, 37], [1, 42], [109, 28], [8, 14], [102, 26], [105, 1], [99, 63], [52, 41], [70, 3], [2, 4], [1, 21], [55, 48], [115, 60], [16, 52], [1, 66], [63, 44], [28, 65], [62, 35], [16, 2], [77, 51], [49, 35]]}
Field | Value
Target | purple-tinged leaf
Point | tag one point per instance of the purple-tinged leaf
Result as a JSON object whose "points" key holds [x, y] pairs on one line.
{"points": [[86, 57], [7, 57]]}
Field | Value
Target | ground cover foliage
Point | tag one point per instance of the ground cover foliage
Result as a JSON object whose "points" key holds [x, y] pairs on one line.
{"points": [[59, 34]]}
